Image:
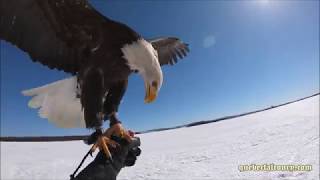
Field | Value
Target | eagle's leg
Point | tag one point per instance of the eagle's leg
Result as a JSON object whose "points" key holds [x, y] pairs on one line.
{"points": [[93, 89], [103, 141], [109, 112], [115, 129]]}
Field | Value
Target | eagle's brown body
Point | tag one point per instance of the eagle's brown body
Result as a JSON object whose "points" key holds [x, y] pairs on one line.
{"points": [[70, 35]]}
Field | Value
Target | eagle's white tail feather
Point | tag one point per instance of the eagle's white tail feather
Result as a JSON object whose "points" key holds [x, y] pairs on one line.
{"points": [[57, 102]]}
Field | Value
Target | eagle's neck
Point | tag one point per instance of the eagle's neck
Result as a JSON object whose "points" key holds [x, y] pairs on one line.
{"points": [[140, 55]]}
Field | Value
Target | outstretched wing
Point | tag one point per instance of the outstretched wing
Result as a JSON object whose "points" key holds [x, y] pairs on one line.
{"points": [[169, 49], [60, 34]]}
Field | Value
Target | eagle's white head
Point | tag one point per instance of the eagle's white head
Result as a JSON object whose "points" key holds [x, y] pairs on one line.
{"points": [[143, 58]]}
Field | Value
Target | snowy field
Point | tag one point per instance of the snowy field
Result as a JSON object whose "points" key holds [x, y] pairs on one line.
{"points": [[285, 135]]}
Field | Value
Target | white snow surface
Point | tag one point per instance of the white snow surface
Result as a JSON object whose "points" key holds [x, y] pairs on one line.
{"points": [[285, 135]]}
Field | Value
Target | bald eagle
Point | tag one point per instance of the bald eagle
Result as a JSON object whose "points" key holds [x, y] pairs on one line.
{"points": [[100, 53]]}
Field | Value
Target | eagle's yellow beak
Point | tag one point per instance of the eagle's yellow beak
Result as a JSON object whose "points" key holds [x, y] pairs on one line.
{"points": [[151, 93]]}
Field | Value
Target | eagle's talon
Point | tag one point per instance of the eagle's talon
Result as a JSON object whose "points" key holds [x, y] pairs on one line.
{"points": [[102, 143], [112, 143], [93, 138]]}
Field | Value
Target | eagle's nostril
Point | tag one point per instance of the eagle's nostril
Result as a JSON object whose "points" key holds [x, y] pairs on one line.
{"points": [[154, 84]]}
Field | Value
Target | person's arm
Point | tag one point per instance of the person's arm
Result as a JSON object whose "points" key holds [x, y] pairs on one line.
{"points": [[101, 168]]}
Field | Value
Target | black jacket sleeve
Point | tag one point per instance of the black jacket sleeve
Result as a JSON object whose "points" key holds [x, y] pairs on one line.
{"points": [[102, 168]]}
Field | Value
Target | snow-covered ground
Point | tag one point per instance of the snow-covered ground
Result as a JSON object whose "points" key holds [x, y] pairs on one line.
{"points": [[285, 135]]}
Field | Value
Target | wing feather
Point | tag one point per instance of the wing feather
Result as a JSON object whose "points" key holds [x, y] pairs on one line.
{"points": [[169, 49], [58, 103], [60, 34]]}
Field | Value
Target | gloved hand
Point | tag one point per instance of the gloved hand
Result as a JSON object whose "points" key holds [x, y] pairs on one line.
{"points": [[101, 168], [132, 156]]}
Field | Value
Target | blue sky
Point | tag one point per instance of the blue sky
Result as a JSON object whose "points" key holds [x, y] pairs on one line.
{"points": [[244, 55]]}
